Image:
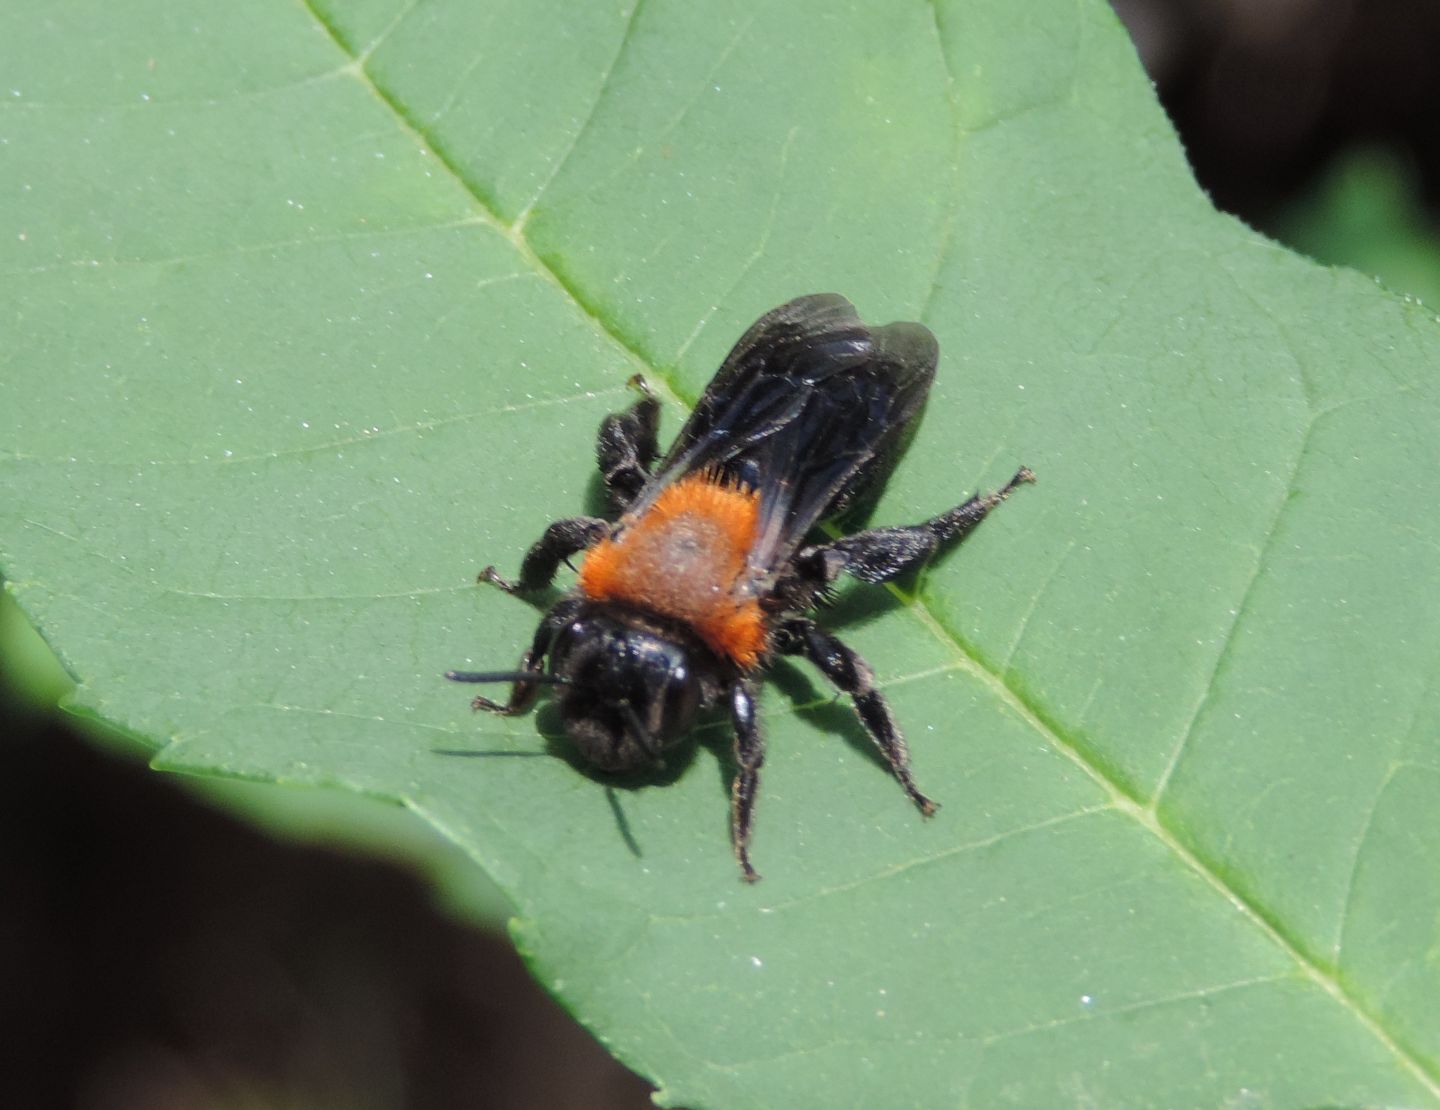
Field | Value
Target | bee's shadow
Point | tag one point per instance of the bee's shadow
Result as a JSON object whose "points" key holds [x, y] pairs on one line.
{"points": [[557, 746], [677, 760]]}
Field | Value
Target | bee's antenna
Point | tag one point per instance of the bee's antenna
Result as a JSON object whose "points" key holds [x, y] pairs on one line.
{"points": [[508, 676]]}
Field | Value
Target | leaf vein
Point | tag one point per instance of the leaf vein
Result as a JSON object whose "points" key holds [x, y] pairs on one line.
{"points": [[1148, 820], [605, 78], [1139, 1006], [484, 209]]}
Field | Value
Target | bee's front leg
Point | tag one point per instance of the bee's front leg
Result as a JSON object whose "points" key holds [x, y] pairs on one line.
{"points": [[561, 540]]}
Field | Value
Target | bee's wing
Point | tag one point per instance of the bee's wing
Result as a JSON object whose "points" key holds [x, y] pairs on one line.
{"points": [[808, 408]]}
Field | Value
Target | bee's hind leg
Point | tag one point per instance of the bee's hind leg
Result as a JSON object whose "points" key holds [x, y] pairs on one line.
{"points": [[880, 554]]}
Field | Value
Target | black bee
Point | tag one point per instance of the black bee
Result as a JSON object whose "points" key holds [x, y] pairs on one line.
{"points": [[702, 580]]}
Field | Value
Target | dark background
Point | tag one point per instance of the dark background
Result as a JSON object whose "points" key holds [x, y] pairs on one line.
{"points": [[1314, 121], [156, 952]]}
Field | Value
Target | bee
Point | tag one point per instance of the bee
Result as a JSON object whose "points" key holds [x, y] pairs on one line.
{"points": [[714, 560]]}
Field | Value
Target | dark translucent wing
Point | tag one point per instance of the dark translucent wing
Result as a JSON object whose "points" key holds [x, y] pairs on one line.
{"points": [[743, 395], [808, 408], [844, 439]]}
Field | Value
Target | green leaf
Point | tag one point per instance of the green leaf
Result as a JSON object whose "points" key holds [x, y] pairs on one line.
{"points": [[314, 311], [1367, 212]]}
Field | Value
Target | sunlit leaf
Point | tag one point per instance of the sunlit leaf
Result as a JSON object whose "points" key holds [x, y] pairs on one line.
{"points": [[313, 311]]}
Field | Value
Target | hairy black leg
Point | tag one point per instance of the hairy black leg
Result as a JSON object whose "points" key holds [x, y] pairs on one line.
{"points": [[749, 755], [561, 540], [523, 691], [852, 675], [626, 446], [880, 554]]}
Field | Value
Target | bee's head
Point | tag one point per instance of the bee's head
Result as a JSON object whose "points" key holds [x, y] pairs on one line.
{"points": [[627, 690]]}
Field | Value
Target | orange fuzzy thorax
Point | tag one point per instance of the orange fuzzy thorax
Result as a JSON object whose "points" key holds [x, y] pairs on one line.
{"points": [[684, 557]]}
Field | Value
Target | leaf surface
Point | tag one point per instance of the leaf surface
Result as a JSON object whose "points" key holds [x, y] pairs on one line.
{"points": [[312, 311]]}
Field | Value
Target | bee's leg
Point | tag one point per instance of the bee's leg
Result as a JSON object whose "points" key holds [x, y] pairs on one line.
{"points": [[626, 446], [524, 689], [749, 755], [561, 540], [880, 554], [852, 675]]}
